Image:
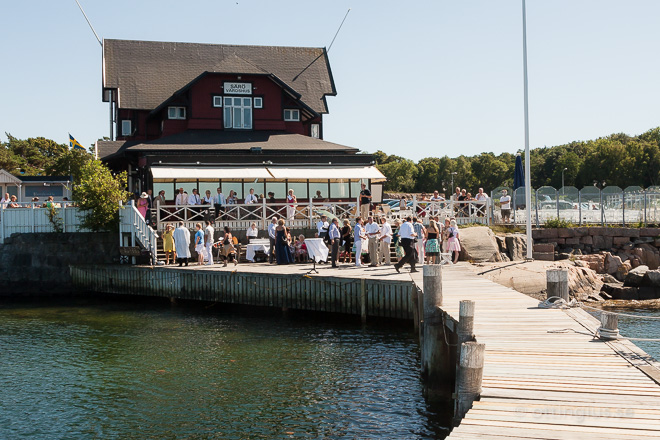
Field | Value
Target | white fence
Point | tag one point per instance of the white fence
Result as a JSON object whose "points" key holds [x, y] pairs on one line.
{"points": [[31, 218], [588, 206], [305, 215]]}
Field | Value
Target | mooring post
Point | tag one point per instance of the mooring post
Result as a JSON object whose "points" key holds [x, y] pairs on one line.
{"points": [[413, 299], [465, 321], [557, 283], [470, 375], [434, 350], [609, 326]]}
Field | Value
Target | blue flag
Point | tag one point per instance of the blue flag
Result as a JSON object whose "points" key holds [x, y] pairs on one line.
{"points": [[73, 143]]}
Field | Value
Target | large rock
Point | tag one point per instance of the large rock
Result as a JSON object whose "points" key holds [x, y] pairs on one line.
{"points": [[611, 263], [516, 246], [478, 244], [617, 291], [651, 278], [635, 277], [596, 262], [648, 255]]}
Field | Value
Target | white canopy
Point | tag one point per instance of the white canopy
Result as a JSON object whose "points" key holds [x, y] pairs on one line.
{"points": [[280, 173], [202, 173], [327, 172]]}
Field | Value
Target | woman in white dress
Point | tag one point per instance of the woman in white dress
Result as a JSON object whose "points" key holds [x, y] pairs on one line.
{"points": [[454, 244], [291, 200]]}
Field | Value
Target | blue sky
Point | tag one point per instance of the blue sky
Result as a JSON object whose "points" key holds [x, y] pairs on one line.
{"points": [[416, 79]]}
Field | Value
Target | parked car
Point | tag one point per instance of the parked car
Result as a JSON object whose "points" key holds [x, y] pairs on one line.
{"points": [[552, 204]]}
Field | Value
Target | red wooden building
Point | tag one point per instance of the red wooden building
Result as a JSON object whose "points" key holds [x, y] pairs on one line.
{"points": [[205, 115]]}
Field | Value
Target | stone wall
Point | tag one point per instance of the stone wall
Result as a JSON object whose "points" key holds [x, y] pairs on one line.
{"points": [[38, 264], [639, 245]]}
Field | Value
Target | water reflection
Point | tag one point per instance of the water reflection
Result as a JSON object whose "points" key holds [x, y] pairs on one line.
{"points": [[125, 370]]}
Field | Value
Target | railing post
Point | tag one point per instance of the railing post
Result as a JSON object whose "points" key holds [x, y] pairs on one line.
{"points": [[602, 208], [2, 224], [579, 208], [557, 284], [645, 208], [623, 207], [557, 202], [536, 205], [264, 223], [310, 213]]}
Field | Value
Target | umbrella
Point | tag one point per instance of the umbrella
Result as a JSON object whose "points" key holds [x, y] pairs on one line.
{"points": [[518, 173]]}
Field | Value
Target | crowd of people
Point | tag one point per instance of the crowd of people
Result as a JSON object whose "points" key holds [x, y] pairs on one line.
{"points": [[10, 201]]}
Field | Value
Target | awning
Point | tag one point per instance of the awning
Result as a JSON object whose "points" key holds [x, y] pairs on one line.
{"points": [[280, 173], [327, 172], [202, 173]]}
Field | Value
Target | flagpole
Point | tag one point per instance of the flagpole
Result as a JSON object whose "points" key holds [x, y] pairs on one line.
{"points": [[528, 178]]}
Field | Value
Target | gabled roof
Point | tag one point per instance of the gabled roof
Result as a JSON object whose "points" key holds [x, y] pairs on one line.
{"points": [[224, 141], [148, 72], [7, 177]]}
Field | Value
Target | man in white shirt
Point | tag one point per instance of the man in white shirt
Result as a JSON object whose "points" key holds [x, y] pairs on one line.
{"points": [[181, 198], [373, 232], [208, 241], [5, 200], [272, 234], [218, 202], [407, 235], [384, 241], [435, 205], [251, 198], [483, 198], [194, 199], [505, 206], [420, 233], [322, 226]]}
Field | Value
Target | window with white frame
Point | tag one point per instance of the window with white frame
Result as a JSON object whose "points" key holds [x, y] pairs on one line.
{"points": [[259, 102], [126, 127], [217, 101], [237, 112], [315, 131], [176, 113], [291, 114]]}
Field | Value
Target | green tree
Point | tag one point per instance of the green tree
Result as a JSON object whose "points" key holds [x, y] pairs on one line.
{"points": [[401, 174], [98, 193]]}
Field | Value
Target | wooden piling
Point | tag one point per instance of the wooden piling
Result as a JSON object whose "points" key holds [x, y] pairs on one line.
{"points": [[465, 331], [609, 326], [363, 301], [557, 283], [470, 375], [435, 352]]}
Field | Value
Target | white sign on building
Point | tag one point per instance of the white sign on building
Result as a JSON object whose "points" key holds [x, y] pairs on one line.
{"points": [[235, 88]]}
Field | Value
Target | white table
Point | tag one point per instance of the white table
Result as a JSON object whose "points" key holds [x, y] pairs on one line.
{"points": [[252, 248], [316, 249]]}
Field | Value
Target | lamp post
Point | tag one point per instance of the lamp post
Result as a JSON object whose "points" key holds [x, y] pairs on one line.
{"points": [[528, 177], [452, 181], [562, 181]]}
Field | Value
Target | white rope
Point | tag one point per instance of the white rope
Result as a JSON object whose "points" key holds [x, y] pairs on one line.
{"points": [[555, 302]]}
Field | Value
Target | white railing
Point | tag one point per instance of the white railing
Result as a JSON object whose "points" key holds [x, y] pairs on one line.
{"points": [[241, 216], [131, 222], [31, 218], [465, 212]]}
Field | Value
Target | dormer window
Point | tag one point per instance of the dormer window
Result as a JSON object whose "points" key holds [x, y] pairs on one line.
{"points": [[237, 113], [176, 113], [291, 114]]}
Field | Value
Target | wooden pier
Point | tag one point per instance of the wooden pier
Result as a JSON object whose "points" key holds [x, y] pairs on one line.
{"points": [[544, 375], [376, 292]]}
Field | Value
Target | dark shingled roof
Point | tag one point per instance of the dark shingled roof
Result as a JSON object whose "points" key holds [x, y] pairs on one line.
{"points": [[148, 72], [106, 148], [218, 140]]}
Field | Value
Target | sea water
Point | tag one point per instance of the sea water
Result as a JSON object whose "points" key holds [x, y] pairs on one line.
{"points": [[146, 370]]}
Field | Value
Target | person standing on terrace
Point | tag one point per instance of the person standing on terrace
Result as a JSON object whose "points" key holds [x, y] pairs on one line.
{"points": [[291, 200], [181, 198], [365, 201]]}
